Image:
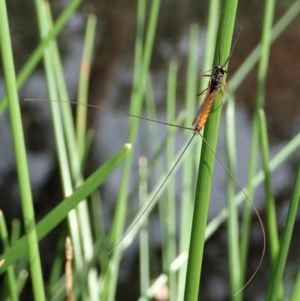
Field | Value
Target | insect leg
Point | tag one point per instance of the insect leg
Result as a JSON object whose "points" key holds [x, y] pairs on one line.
{"points": [[225, 86], [203, 73], [202, 92]]}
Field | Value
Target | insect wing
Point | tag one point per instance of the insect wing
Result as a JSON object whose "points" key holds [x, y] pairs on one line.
{"points": [[209, 97]]}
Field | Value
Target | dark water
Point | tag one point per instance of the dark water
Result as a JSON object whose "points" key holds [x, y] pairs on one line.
{"points": [[110, 86]]}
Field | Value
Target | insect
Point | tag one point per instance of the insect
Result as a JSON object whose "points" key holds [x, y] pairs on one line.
{"points": [[214, 86], [213, 89]]}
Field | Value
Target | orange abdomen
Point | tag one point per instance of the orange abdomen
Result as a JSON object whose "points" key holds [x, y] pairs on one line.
{"points": [[205, 112]]}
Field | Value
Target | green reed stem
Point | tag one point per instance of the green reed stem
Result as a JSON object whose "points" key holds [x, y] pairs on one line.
{"points": [[207, 162], [20, 156]]}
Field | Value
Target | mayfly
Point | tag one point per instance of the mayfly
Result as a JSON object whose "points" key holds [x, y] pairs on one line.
{"points": [[214, 86]]}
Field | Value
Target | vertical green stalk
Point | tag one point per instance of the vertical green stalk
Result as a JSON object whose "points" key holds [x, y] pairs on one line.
{"points": [[65, 173], [188, 178], [270, 202], [259, 103], [212, 27], [82, 215], [207, 162], [81, 116], [144, 233], [171, 198], [10, 281], [139, 85], [20, 155], [15, 231], [139, 68], [232, 220], [296, 289], [156, 162], [278, 267], [188, 175]]}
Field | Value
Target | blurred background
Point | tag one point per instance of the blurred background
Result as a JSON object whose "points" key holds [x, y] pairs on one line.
{"points": [[110, 86]]}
